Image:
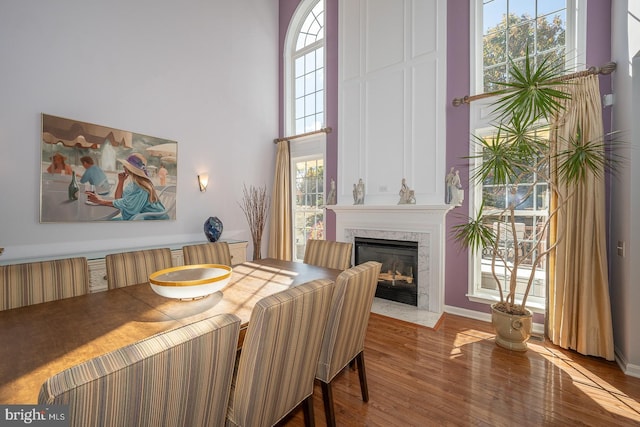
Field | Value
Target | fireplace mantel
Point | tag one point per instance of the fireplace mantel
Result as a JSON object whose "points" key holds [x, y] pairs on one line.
{"points": [[437, 211], [422, 223]]}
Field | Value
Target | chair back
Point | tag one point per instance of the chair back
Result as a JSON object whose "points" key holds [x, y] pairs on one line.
{"points": [[131, 268], [207, 253], [177, 378], [348, 319], [280, 354], [37, 282], [329, 254]]}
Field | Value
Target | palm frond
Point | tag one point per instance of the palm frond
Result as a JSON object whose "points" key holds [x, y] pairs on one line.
{"points": [[474, 233], [583, 158], [533, 92]]}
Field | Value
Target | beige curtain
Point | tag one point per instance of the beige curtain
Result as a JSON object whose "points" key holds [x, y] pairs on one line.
{"points": [[280, 225], [579, 315]]}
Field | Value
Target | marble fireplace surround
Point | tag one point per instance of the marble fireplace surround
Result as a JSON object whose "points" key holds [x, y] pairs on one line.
{"points": [[415, 223]]}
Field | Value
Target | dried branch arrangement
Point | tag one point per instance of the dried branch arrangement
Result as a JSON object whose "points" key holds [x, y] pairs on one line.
{"points": [[255, 205]]}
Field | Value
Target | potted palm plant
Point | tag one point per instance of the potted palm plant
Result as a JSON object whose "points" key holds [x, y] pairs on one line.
{"points": [[519, 151]]}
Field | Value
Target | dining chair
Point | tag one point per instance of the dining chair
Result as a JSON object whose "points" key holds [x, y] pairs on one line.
{"points": [[343, 340], [328, 254], [41, 281], [207, 253], [131, 268], [180, 377], [279, 356]]}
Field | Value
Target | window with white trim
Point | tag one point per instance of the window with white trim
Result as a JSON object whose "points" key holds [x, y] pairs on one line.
{"points": [[505, 29], [308, 72], [305, 112]]}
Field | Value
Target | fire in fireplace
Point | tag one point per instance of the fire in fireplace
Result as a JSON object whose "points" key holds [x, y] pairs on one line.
{"points": [[398, 280]]}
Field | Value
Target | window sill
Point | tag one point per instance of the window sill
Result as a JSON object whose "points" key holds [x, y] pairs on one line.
{"points": [[534, 306]]}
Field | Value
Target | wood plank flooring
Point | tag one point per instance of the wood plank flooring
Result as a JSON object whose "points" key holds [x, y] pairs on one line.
{"points": [[455, 375]]}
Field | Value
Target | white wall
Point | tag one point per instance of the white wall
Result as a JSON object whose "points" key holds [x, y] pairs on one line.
{"points": [[203, 73], [625, 189], [392, 87]]}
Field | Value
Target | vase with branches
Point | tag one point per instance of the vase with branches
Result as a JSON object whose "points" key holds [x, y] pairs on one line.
{"points": [[255, 205]]}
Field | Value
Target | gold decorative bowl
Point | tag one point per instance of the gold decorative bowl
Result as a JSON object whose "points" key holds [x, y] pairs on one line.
{"points": [[190, 281]]}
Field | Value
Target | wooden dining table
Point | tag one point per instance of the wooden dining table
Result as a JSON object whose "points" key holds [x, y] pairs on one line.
{"points": [[41, 340]]}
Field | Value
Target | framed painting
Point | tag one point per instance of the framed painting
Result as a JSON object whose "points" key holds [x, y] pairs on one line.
{"points": [[96, 173]]}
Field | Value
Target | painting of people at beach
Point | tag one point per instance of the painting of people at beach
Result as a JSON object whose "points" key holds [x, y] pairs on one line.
{"points": [[97, 173]]}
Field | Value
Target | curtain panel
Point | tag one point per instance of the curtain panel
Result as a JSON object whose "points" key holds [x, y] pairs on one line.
{"points": [[280, 227], [579, 315]]}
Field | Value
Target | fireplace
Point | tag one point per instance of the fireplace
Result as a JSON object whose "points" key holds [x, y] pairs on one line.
{"points": [[398, 280], [407, 223]]}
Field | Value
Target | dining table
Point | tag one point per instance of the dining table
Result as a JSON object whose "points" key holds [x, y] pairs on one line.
{"points": [[41, 340]]}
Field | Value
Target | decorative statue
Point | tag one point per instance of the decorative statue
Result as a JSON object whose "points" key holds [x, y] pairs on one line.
{"points": [[358, 193], [448, 194], [456, 191], [331, 200], [407, 196]]}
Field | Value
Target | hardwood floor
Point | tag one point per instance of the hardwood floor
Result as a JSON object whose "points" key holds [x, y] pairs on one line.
{"points": [[455, 375]]}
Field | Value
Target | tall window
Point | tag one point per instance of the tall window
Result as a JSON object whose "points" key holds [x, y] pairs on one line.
{"points": [[509, 28], [305, 112], [309, 194], [506, 29], [308, 72]]}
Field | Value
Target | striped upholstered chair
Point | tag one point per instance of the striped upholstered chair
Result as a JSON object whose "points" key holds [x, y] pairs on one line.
{"points": [[36, 282], [325, 253], [279, 356], [131, 268], [343, 339], [207, 253], [180, 377]]}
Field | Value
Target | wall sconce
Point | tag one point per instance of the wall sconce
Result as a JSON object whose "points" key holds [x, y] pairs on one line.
{"points": [[203, 181]]}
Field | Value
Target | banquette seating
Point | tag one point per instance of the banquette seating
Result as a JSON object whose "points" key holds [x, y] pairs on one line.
{"points": [[131, 268], [344, 335], [329, 254], [37, 282], [279, 357], [177, 378], [207, 253]]}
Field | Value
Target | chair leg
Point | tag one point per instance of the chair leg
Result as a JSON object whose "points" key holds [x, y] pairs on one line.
{"points": [[363, 376], [307, 409], [327, 398]]}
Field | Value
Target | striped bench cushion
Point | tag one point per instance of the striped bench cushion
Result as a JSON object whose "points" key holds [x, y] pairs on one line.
{"points": [[131, 268], [177, 378], [37, 282]]}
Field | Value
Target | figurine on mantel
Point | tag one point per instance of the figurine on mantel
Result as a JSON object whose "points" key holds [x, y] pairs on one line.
{"points": [[331, 200], [407, 196], [358, 193], [454, 192]]}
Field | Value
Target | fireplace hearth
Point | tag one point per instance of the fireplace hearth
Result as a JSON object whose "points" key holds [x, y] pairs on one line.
{"points": [[398, 279]]}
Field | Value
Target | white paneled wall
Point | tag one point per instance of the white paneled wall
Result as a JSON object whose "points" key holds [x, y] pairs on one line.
{"points": [[392, 99]]}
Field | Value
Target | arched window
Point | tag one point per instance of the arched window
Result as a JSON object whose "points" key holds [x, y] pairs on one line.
{"points": [[304, 51], [304, 56]]}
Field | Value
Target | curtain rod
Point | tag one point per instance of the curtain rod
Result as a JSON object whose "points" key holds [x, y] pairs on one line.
{"points": [[288, 138], [607, 68]]}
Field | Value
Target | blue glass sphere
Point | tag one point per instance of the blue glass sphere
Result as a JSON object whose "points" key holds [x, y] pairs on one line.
{"points": [[213, 228]]}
